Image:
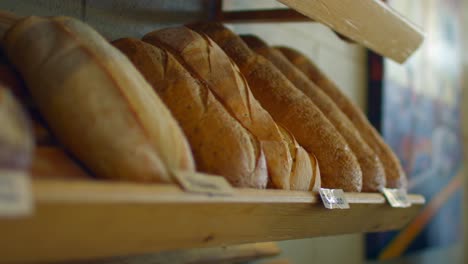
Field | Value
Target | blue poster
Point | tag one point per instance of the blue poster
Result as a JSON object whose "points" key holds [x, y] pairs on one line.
{"points": [[421, 122]]}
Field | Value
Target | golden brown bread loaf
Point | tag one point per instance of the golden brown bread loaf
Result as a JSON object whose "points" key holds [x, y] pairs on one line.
{"points": [[292, 109], [206, 62], [53, 162], [395, 176], [373, 176], [95, 101], [219, 143]]}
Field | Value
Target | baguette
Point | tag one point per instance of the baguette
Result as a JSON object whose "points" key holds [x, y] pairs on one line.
{"points": [[292, 109], [206, 61], [395, 175], [373, 176], [95, 101], [219, 143]]}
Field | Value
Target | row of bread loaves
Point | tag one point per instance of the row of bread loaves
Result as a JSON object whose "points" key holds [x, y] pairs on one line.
{"points": [[196, 97]]}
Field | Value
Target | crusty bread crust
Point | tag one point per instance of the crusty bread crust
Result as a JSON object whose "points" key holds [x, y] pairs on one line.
{"points": [[219, 143], [292, 109], [373, 175], [95, 101], [207, 62], [395, 176]]}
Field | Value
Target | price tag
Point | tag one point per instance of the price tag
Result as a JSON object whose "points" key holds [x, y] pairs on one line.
{"points": [[396, 197], [203, 183], [15, 193], [333, 198]]}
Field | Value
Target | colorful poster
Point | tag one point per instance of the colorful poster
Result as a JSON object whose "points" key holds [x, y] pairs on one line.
{"points": [[421, 121]]}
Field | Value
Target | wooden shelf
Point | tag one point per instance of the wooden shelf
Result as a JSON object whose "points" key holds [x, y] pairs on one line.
{"points": [[88, 219], [370, 23]]}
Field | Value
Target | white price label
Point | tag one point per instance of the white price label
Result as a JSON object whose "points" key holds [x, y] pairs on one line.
{"points": [[396, 197], [203, 183], [333, 198], [15, 194]]}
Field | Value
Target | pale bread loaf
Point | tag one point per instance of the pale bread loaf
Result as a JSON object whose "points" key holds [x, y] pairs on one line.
{"points": [[96, 102]]}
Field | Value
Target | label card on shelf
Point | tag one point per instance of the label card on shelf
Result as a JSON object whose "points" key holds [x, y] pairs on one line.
{"points": [[397, 198], [203, 183], [333, 198], [15, 193]]}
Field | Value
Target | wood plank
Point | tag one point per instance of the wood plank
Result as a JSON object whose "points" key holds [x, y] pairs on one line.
{"points": [[228, 254], [262, 16], [370, 23], [91, 219], [367, 22]]}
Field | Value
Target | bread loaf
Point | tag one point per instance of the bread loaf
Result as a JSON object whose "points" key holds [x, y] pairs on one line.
{"points": [[206, 62], [292, 109], [16, 141], [53, 162], [373, 175], [219, 143], [95, 101], [395, 176], [12, 81]]}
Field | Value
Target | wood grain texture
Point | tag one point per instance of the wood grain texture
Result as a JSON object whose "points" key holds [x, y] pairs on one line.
{"points": [[261, 16], [367, 22], [370, 23], [227, 254], [110, 219]]}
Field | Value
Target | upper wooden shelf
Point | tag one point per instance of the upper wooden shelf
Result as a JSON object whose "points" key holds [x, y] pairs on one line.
{"points": [[88, 219], [370, 23]]}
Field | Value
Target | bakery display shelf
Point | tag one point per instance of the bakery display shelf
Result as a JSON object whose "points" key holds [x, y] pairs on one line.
{"points": [[88, 219], [370, 23]]}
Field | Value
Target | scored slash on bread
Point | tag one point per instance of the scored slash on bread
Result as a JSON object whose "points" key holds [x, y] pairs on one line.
{"points": [[206, 62], [95, 101], [219, 143], [292, 109], [373, 175], [395, 176], [299, 181]]}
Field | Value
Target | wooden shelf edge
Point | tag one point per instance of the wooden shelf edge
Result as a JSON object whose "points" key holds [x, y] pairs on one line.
{"points": [[229, 254], [262, 16], [94, 219], [370, 23], [49, 190]]}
